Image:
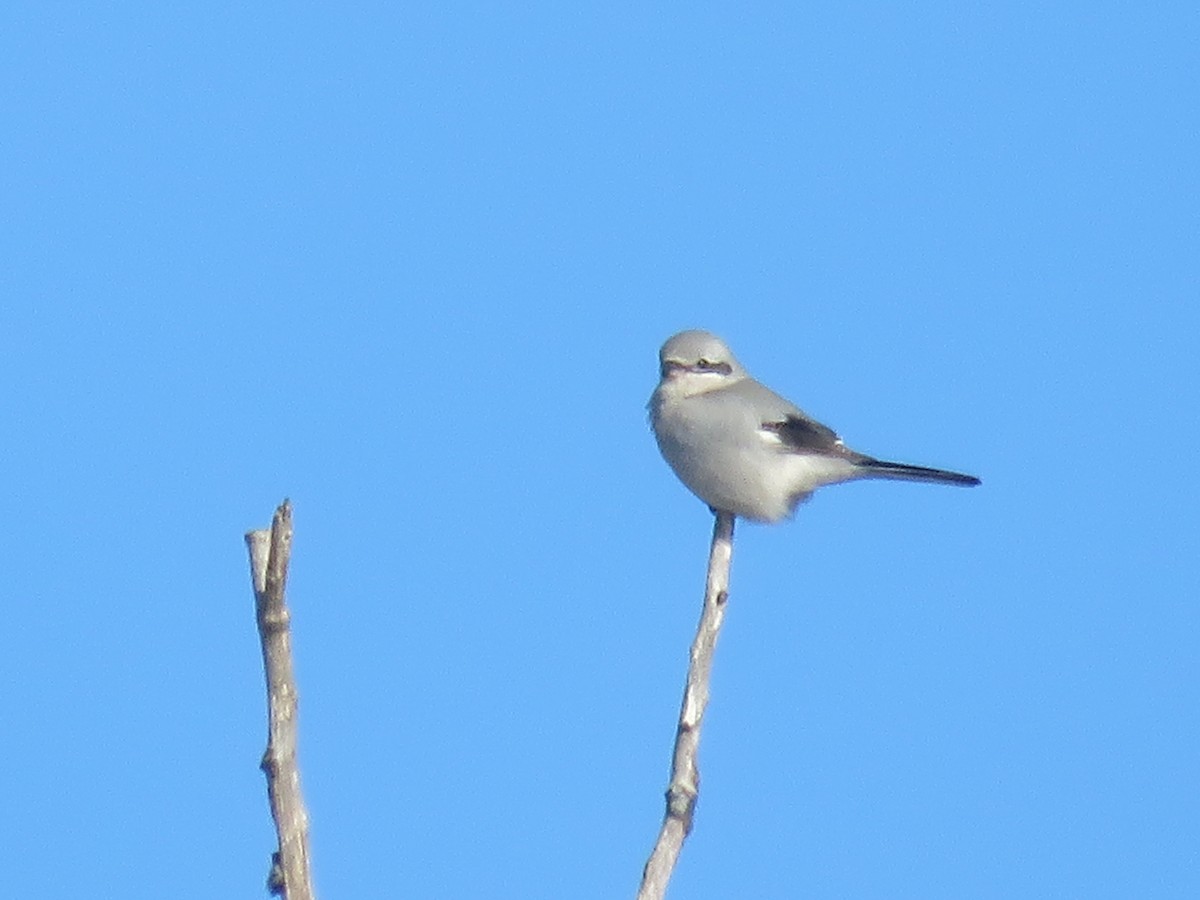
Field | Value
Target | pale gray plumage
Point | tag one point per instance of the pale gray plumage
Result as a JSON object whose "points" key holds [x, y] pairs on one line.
{"points": [[743, 449]]}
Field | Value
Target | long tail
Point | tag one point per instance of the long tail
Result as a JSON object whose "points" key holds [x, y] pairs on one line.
{"points": [[878, 468]]}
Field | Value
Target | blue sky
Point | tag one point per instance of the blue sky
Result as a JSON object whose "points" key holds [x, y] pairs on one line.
{"points": [[410, 267]]}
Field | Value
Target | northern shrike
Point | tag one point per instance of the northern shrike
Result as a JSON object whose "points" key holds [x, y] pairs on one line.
{"points": [[743, 449]]}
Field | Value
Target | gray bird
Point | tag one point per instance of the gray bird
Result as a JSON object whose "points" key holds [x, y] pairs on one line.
{"points": [[743, 449]]}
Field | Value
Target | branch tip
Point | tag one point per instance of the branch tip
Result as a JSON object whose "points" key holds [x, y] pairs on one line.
{"points": [[684, 788]]}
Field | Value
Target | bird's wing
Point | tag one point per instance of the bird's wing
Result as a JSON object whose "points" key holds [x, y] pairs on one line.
{"points": [[785, 424], [800, 434]]}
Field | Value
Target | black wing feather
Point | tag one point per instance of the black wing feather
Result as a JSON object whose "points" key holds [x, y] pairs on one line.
{"points": [[802, 435]]}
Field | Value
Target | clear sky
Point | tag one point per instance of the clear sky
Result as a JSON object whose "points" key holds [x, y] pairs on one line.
{"points": [[410, 265]]}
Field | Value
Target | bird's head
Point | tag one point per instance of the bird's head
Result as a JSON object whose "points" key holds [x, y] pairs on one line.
{"points": [[694, 362]]}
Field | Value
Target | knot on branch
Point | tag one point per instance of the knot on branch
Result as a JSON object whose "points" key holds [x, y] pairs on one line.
{"points": [[681, 805], [276, 883], [269, 763], [275, 620]]}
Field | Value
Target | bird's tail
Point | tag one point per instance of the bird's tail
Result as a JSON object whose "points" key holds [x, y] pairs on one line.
{"points": [[878, 468]]}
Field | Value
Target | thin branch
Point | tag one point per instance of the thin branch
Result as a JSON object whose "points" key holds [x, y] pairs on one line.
{"points": [[685, 773], [270, 552]]}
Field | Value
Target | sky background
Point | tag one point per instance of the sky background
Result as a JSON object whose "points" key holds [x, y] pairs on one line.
{"points": [[410, 266]]}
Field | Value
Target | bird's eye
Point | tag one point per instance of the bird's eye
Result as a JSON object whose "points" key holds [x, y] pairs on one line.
{"points": [[704, 363]]}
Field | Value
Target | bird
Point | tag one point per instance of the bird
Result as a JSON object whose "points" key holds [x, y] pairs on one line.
{"points": [[743, 449]]}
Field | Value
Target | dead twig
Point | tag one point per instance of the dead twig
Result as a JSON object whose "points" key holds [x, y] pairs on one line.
{"points": [[685, 773], [270, 552]]}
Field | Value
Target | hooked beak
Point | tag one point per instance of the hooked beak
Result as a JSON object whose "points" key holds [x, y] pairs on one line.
{"points": [[670, 368]]}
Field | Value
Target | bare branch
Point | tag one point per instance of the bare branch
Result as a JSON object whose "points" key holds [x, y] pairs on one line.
{"points": [[685, 773], [270, 552]]}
